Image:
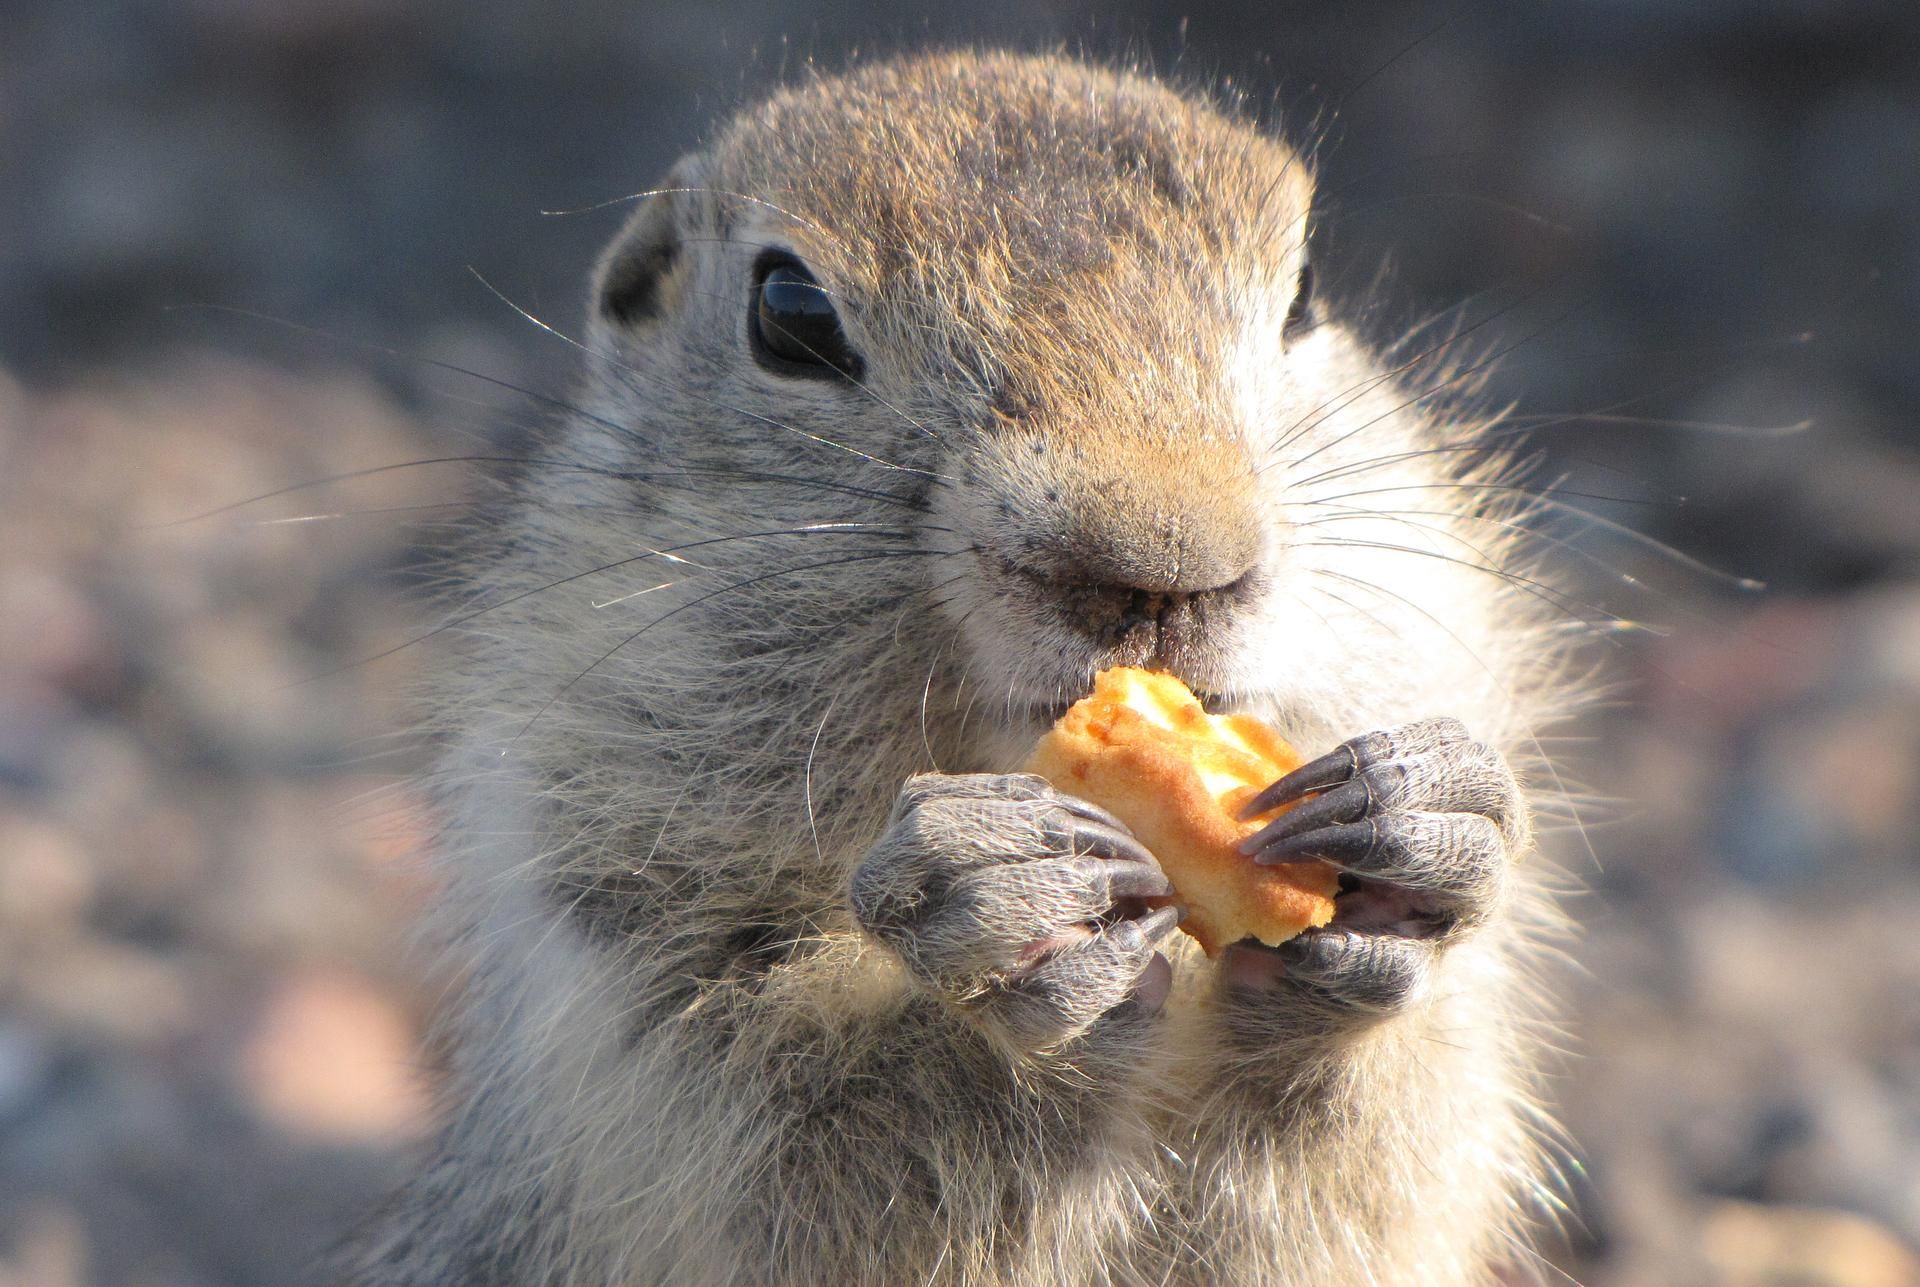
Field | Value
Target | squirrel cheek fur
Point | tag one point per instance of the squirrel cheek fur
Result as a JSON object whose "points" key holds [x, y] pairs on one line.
{"points": [[776, 972]]}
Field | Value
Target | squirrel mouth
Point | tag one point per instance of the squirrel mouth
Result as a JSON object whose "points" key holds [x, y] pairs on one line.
{"points": [[1046, 714]]}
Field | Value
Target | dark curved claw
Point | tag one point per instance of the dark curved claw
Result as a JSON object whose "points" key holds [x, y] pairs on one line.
{"points": [[1124, 878], [1145, 931], [1336, 766], [1088, 810], [1348, 802], [1098, 840], [1455, 862], [1347, 844]]}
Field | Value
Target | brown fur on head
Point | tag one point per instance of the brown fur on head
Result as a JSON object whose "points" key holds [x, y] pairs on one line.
{"points": [[1002, 201], [1074, 294]]}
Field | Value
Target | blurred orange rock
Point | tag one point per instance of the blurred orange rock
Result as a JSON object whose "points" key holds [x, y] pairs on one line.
{"points": [[45, 878], [335, 1060], [1749, 1245], [48, 1249]]}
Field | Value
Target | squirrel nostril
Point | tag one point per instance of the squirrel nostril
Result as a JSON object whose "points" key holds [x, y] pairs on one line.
{"points": [[1142, 608], [1134, 617], [1136, 574], [1155, 605]]}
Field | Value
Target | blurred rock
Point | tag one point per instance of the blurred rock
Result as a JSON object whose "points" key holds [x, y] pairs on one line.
{"points": [[333, 1059], [26, 1061], [47, 1248], [46, 883], [1753, 1246]]}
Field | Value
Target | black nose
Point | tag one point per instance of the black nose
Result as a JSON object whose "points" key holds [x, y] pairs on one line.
{"points": [[1138, 624]]}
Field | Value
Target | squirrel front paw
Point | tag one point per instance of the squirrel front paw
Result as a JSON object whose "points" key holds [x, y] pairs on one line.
{"points": [[1023, 907], [1424, 823]]}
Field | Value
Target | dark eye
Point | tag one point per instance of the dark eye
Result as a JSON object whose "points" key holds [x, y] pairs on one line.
{"points": [[1300, 315], [796, 330]]}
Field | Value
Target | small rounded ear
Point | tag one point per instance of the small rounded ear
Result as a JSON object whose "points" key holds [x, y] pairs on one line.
{"points": [[629, 285]]}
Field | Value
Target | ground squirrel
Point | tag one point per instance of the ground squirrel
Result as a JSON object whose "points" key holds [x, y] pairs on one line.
{"points": [[920, 395]]}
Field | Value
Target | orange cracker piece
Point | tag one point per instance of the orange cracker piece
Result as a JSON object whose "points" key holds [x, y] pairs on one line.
{"points": [[1142, 748]]}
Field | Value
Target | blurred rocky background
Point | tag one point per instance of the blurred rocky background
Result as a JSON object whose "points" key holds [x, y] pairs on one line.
{"points": [[1687, 226]]}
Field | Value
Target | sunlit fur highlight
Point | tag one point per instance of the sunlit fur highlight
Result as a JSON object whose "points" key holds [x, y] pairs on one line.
{"points": [[675, 1059]]}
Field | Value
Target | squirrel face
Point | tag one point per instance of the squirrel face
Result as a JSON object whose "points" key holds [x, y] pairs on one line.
{"points": [[1067, 311]]}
